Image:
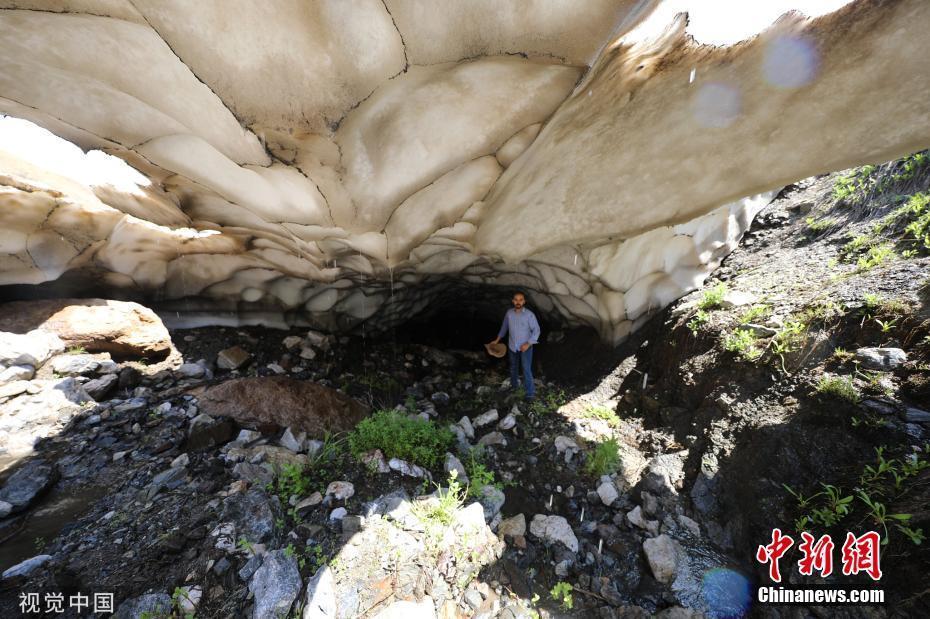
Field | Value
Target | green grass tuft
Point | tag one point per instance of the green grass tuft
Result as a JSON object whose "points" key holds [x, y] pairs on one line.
{"points": [[412, 439]]}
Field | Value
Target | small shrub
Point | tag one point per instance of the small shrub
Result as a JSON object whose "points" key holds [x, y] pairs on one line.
{"points": [[562, 593], [816, 226], [697, 321], [415, 440], [604, 459], [713, 298], [76, 350], [754, 314], [479, 475], [743, 342], [875, 256], [838, 387], [604, 413]]}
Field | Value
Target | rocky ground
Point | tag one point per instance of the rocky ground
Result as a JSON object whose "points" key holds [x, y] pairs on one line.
{"points": [[229, 477]]}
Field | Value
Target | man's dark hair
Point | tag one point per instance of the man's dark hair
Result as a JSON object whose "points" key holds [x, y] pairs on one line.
{"points": [[519, 292]]}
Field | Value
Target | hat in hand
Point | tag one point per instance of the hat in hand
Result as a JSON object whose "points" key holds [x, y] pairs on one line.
{"points": [[496, 350]]}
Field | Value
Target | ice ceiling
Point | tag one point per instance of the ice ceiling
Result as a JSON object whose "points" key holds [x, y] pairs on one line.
{"points": [[336, 163]]}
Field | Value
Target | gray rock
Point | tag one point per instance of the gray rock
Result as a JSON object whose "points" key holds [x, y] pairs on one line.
{"points": [[507, 422], [554, 529], [275, 585], [662, 555], [148, 605], [74, 365], [291, 341], [340, 490], [24, 568], [33, 348], [473, 598], [757, 330], [665, 473], [191, 370], [563, 444], [410, 470], [254, 473], [16, 372], [254, 514], [5, 509], [390, 505], [99, 388], [916, 415], [375, 461], [485, 418], [181, 461], [296, 443], [352, 524], [454, 464], [320, 602], [232, 358], [608, 493], [492, 438], [492, 500], [27, 483], [248, 570], [880, 358], [467, 428], [405, 609], [440, 397], [338, 514], [737, 298]]}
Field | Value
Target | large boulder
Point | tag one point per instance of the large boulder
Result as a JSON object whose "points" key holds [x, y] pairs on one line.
{"points": [[27, 483], [282, 401], [122, 328]]}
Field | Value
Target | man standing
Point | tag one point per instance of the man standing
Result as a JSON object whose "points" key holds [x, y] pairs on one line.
{"points": [[523, 327]]}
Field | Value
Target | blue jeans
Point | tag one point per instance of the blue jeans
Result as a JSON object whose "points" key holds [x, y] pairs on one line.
{"points": [[526, 358]]}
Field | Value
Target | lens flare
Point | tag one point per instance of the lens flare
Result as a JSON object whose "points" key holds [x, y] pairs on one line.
{"points": [[716, 105], [790, 62], [727, 593]]}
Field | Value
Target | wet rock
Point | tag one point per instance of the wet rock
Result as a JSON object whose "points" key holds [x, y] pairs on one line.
{"points": [[275, 585], [232, 358], [74, 365], [99, 388], [206, 432], [191, 370], [554, 529], [320, 601], [148, 605], [880, 358], [662, 555], [485, 418], [16, 372], [608, 493], [24, 568], [916, 415], [28, 483], [27, 349], [282, 401], [467, 427], [340, 490], [124, 329]]}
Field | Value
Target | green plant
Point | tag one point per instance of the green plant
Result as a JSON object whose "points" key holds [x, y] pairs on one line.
{"points": [[816, 226], [548, 402], [697, 321], [604, 458], [39, 543], [842, 355], [836, 508], [562, 593], [437, 513], [415, 440], [713, 297], [604, 413], [839, 387], [292, 480], [754, 314], [879, 515], [179, 596], [743, 342], [875, 256], [479, 475], [76, 350], [245, 546]]}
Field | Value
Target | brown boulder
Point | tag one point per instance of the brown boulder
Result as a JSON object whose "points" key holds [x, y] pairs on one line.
{"points": [[281, 401], [121, 328]]}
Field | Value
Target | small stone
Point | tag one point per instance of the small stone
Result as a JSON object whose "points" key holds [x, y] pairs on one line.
{"points": [[338, 514], [17, 372], [512, 526], [454, 464], [608, 493], [307, 353], [320, 602], [181, 461], [757, 330], [277, 369], [492, 438], [375, 461], [662, 555], [485, 418], [28, 483], [916, 415], [563, 444], [148, 605], [98, 388], [74, 365], [690, 524], [340, 490], [296, 443], [305, 505], [352, 524], [473, 598], [554, 529], [405, 468], [880, 358], [189, 598], [492, 500], [191, 370], [507, 422], [737, 298], [440, 397], [292, 341], [5, 509], [467, 428], [248, 436], [232, 358]]}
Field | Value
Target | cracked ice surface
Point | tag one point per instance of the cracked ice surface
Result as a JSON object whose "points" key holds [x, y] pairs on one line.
{"points": [[344, 164]]}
